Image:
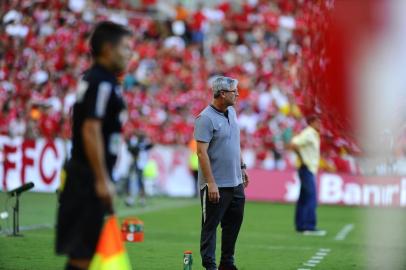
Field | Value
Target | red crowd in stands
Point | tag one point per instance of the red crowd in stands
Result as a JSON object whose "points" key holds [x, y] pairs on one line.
{"points": [[267, 45]]}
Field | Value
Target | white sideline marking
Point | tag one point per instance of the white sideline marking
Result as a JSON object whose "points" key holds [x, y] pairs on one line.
{"points": [[148, 209], [36, 227], [279, 247], [310, 264], [316, 259], [341, 235], [121, 213], [252, 246], [258, 246], [27, 228]]}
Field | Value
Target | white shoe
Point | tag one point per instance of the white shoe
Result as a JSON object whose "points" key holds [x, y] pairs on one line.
{"points": [[142, 202], [129, 201], [315, 233]]}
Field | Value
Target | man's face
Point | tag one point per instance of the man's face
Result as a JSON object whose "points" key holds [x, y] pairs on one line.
{"points": [[230, 96], [121, 54], [316, 124]]}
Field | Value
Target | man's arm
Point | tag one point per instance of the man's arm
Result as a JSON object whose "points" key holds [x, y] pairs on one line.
{"points": [[245, 178], [295, 146], [149, 146], [204, 161], [93, 146]]}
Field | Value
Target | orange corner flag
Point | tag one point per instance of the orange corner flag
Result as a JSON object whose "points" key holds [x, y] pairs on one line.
{"points": [[110, 252]]}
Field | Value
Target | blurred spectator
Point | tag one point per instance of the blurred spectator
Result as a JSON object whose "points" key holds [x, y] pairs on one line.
{"points": [[194, 166], [17, 126], [139, 146]]}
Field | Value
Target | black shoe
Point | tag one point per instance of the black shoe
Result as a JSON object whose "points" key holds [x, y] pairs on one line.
{"points": [[213, 267], [224, 267]]}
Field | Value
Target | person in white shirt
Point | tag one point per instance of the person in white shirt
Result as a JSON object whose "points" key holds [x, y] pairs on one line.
{"points": [[307, 146]]}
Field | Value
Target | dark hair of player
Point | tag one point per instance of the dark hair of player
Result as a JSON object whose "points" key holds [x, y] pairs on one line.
{"points": [[107, 32]]}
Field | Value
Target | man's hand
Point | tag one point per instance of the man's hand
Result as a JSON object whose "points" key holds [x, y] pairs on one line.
{"points": [[214, 195], [296, 149], [105, 192], [245, 178], [204, 162]]}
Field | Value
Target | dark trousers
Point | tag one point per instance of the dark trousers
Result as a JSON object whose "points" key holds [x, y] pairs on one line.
{"points": [[139, 174], [140, 179], [229, 212], [305, 218]]}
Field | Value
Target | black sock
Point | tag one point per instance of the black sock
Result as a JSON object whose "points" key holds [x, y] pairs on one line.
{"points": [[72, 267]]}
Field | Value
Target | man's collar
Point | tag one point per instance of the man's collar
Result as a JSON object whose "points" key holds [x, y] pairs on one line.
{"points": [[225, 113]]}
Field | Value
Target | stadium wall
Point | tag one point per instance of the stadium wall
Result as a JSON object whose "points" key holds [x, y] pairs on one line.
{"points": [[341, 189], [40, 161]]}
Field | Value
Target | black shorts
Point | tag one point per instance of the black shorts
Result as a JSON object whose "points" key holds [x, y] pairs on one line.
{"points": [[80, 214]]}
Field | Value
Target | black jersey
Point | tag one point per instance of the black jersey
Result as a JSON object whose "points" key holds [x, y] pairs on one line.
{"points": [[99, 97]]}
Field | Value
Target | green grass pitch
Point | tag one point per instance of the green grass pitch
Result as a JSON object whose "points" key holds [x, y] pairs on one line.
{"points": [[267, 239]]}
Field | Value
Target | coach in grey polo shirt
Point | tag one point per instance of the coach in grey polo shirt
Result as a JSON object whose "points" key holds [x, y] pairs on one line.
{"points": [[222, 175]]}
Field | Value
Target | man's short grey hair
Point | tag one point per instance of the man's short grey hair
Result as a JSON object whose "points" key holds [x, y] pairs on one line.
{"points": [[221, 83]]}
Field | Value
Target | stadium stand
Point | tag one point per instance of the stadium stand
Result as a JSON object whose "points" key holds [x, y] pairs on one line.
{"points": [[268, 46]]}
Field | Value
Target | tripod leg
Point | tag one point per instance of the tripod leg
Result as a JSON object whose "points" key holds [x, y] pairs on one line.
{"points": [[14, 221], [17, 214]]}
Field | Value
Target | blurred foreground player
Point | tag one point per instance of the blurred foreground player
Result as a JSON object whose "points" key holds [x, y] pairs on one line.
{"points": [[307, 146], [88, 194]]}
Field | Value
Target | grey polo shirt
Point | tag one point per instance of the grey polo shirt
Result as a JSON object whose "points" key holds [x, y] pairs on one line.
{"points": [[223, 136]]}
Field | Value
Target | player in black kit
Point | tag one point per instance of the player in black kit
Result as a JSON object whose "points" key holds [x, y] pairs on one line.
{"points": [[88, 192]]}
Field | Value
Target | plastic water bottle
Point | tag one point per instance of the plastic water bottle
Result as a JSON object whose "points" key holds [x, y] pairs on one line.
{"points": [[187, 260]]}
